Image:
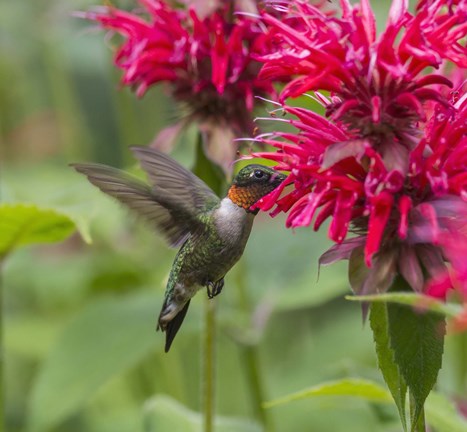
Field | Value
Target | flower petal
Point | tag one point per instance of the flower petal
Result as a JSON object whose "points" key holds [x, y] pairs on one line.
{"points": [[341, 251], [379, 215], [410, 269]]}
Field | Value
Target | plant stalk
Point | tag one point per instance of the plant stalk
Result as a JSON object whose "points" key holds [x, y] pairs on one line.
{"points": [[251, 357], [215, 179], [252, 363], [460, 366], [209, 364], [420, 425], [2, 354]]}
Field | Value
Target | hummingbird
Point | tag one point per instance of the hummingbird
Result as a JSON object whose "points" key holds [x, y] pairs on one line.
{"points": [[211, 232]]}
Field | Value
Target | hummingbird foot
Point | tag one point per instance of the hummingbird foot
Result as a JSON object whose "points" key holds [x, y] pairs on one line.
{"points": [[214, 288]]}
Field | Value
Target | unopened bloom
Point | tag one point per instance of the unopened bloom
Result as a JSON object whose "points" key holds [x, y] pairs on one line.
{"points": [[207, 60], [388, 163]]}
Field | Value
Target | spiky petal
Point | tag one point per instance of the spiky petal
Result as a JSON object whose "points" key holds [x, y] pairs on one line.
{"points": [[388, 163], [380, 82], [206, 56]]}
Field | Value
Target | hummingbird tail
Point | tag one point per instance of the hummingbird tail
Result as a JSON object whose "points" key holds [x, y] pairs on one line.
{"points": [[171, 328]]}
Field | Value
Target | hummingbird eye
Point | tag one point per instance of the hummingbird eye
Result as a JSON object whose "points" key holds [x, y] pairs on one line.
{"points": [[258, 174]]}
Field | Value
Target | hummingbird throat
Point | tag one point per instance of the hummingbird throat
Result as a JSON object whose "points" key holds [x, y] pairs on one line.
{"points": [[246, 196]]}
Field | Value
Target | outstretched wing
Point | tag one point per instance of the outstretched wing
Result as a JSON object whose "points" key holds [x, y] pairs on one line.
{"points": [[178, 183], [171, 218]]}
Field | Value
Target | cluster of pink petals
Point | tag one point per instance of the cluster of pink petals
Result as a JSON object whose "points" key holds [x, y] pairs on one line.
{"points": [[376, 81], [206, 54], [196, 54], [404, 224], [399, 184]]}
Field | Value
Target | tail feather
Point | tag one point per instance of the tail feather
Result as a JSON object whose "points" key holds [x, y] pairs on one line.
{"points": [[172, 327]]}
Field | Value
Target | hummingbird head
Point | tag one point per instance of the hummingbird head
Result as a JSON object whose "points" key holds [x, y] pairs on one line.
{"points": [[252, 183]]}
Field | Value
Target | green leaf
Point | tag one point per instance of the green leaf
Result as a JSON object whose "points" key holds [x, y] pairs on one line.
{"points": [[416, 337], [207, 171], [360, 388], [163, 413], [442, 414], [420, 301], [105, 339], [64, 190], [391, 374], [24, 224], [417, 341]]}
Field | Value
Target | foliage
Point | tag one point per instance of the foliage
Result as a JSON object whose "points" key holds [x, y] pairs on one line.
{"points": [[104, 339], [81, 351], [163, 413], [347, 387], [22, 224]]}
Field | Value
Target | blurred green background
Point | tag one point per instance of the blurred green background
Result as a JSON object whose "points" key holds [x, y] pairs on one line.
{"points": [[81, 351]]}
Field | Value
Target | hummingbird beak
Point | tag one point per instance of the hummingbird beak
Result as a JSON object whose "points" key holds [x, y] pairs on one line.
{"points": [[277, 178]]}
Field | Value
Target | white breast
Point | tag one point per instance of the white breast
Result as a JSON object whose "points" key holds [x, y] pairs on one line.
{"points": [[233, 222]]}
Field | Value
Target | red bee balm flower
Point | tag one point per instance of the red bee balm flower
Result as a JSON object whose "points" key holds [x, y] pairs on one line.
{"points": [[377, 166], [376, 82], [207, 60]]}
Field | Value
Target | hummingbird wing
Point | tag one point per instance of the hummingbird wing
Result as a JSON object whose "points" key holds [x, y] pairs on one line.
{"points": [[170, 217], [179, 185]]}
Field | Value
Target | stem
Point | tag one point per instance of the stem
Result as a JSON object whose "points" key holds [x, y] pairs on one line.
{"points": [[460, 356], [2, 355], [251, 358], [209, 364], [420, 425], [206, 170], [252, 363]]}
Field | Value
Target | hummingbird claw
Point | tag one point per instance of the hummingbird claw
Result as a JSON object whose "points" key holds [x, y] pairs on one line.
{"points": [[210, 289], [214, 288]]}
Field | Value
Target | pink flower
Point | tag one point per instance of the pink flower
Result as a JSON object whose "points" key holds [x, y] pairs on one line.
{"points": [[389, 164], [207, 60], [378, 83], [408, 225]]}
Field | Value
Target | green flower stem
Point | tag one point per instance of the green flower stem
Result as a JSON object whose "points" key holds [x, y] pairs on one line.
{"points": [[209, 364], [251, 358], [252, 364], [2, 354], [420, 425], [460, 360], [215, 179]]}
